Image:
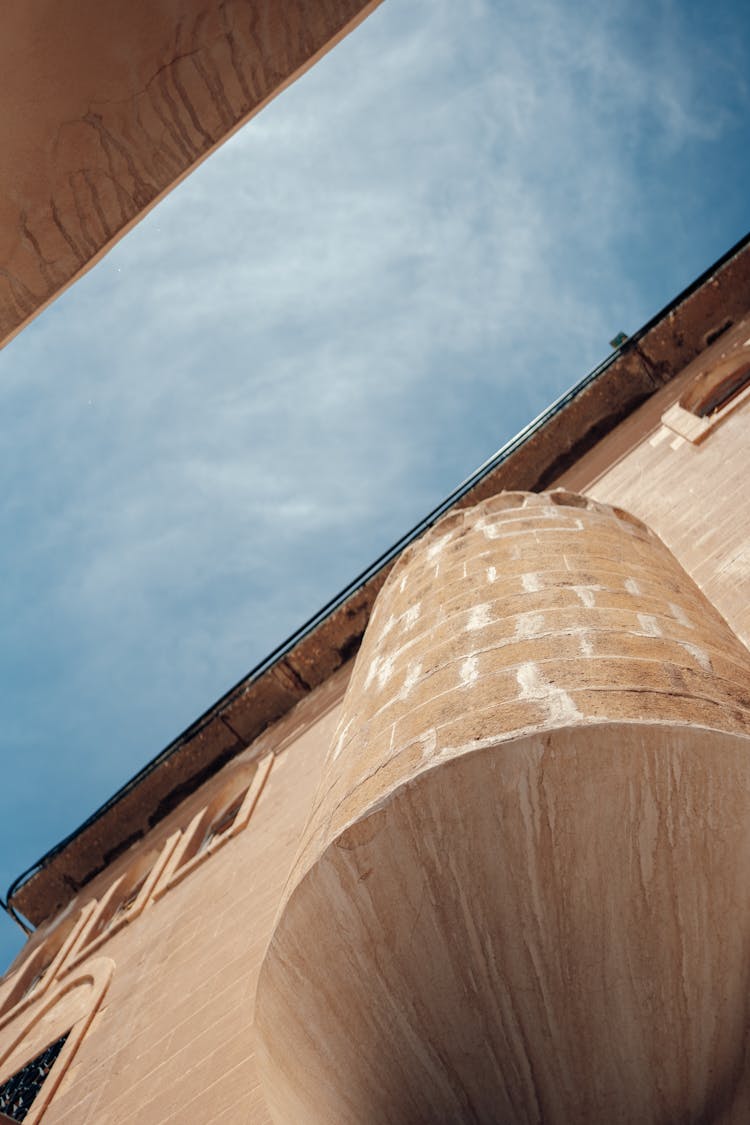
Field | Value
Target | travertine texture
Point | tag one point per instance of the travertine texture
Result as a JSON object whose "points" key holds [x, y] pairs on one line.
{"points": [[716, 557], [526, 612], [173, 1041], [694, 496], [512, 899], [105, 105]]}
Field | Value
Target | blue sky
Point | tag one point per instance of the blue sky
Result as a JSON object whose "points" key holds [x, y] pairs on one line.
{"points": [[346, 309]]}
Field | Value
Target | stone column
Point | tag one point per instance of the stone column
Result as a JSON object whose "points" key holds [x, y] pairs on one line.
{"points": [[522, 895]]}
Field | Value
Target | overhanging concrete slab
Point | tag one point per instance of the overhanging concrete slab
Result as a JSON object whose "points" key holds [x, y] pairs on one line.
{"points": [[105, 105]]}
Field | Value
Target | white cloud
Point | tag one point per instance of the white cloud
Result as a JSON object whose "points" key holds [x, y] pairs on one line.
{"points": [[429, 214]]}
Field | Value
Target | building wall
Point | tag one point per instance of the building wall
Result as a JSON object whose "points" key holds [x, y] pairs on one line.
{"points": [[694, 496], [509, 902], [172, 1040]]}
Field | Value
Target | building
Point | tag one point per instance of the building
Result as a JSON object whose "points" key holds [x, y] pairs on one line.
{"points": [[107, 107], [473, 845]]}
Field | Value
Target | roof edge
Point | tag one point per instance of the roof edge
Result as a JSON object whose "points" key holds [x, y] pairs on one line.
{"points": [[532, 460]]}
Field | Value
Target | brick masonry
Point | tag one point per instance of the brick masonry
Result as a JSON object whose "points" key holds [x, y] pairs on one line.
{"points": [[521, 838], [526, 612], [564, 633]]}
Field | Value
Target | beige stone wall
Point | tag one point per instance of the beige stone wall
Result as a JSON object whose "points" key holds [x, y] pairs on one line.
{"points": [[162, 993], [694, 495], [526, 612], [172, 1039], [167, 1034], [534, 819]]}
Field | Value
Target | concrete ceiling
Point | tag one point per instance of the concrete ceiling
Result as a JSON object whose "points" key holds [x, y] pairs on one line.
{"points": [[105, 105]]}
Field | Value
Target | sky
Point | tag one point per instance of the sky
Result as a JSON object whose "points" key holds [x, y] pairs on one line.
{"points": [[354, 302]]}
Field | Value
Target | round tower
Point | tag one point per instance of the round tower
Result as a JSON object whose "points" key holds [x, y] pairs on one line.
{"points": [[522, 892]]}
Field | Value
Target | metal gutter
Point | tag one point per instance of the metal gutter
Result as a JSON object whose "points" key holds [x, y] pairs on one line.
{"points": [[648, 369]]}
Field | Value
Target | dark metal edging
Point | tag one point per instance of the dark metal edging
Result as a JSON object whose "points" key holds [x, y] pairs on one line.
{"points": [[364, 576]]}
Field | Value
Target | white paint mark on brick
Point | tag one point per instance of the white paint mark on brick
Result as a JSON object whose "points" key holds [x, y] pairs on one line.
{"points": [[439, 546], [531, 682], [531, 583], [339, 743], [402, 584], [585, 595], [372, 672], [535, 686], [679, 615], [587, 649], [494, 530], [385, 671], [649, 625], [632, 586], [413, 674], [411, 617], [699, 656], [469, 672], [387, 627], [528, 625], [491, 574], [478, 618]]}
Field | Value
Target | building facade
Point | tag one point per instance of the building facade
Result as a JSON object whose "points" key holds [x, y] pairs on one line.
{"points": [[491, 867], [474, 844]]}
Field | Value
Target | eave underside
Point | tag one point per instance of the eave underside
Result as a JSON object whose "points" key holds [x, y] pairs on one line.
{"points": [[646, 363]]}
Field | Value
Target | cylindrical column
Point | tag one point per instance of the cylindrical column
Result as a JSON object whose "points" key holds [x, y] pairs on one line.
{"points": [[512, 899]]}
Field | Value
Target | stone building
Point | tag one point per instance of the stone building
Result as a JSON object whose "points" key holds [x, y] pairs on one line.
{"points": [[473, 845]]}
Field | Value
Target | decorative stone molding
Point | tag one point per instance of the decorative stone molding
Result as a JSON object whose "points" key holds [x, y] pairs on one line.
{"points": [[44, 964], [68, 1009], [711, 396], [125, 900], [511, 902], [215, 825]]}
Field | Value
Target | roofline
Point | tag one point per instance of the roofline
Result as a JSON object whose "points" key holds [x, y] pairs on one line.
{"points": [[641, 374]]}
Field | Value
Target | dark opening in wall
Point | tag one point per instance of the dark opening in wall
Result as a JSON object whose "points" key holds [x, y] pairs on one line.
{"points": [[18, 1093], [717, 386], [38, 969], [224, 821]]}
